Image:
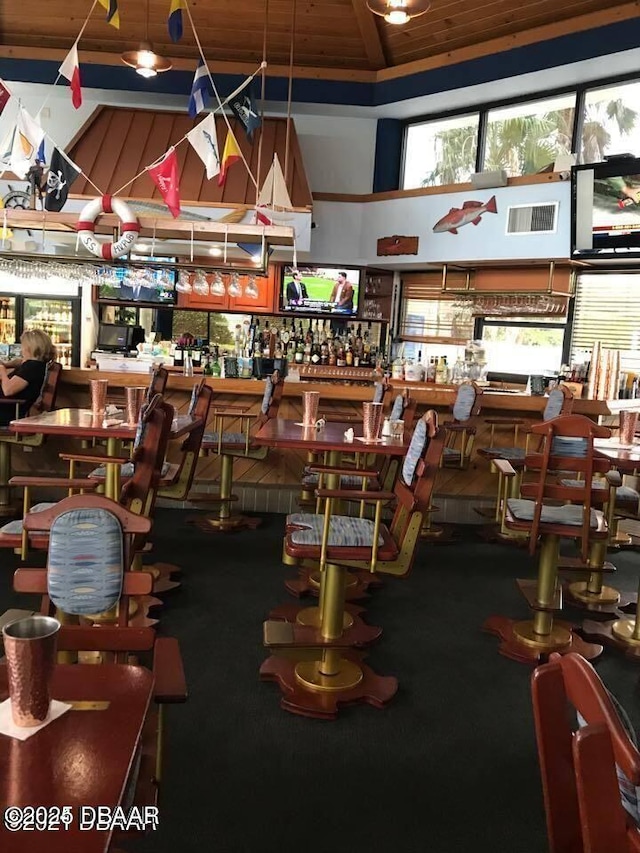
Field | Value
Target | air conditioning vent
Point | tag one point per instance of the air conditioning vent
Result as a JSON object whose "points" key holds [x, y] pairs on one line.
{"points": [[532, 218]]}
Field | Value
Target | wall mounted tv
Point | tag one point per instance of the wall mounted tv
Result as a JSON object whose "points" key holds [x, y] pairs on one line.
{"points": [[141, 285], [605, 209], [320, 290]]}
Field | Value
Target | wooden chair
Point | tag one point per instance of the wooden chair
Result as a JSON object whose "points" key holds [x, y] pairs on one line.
{"points": [[231, 445], [45, 403], [138, 493], [461, 430], [334, 543], [567, 447], [106, 536], [559, 402], [589, 760]]}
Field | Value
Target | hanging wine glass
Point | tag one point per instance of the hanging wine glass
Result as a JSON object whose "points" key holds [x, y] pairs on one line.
{"points": [[234, 288], [200, 283], [183, 285], [217, 285], [251, 288]]}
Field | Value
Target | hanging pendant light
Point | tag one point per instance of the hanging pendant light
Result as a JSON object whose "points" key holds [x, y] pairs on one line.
{"points": [[145, 60], [398, 11]]}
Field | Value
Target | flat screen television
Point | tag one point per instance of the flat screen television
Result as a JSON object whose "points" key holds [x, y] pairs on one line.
{"points": [[118, 337], [320, 290], [605, 209], [155, 287]]}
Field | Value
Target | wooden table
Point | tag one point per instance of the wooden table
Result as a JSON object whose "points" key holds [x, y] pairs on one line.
{"points": [[83, 424], [625, 457], [328, 621], [83, 758]]}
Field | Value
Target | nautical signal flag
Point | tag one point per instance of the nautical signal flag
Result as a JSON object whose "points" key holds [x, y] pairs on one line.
{"points": [[164, 174], [5, 94], [204, 141], [70, 69], [200, 90], [244, 109], [113, 15], [62, 173], [27, 137], [174, 21], [230, 155]]}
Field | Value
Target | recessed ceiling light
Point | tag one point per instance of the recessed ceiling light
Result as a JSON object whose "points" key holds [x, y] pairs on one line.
{"points": [[141, 247], [216, 251]]}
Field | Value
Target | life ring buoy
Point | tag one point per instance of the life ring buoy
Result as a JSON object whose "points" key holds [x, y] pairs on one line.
{"points": [[87, 224]]}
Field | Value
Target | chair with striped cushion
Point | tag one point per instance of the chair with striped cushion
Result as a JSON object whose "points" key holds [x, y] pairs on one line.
{"points": [[552, 511], [461, 430], [92, 541], [559, 402], [228, 445], [589, 760], [333, 544]]}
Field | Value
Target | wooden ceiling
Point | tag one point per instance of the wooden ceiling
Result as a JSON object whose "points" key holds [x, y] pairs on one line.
{"points": [[341, 35]]}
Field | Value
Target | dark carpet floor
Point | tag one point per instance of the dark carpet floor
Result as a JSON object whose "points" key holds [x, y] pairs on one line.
{"points": [[449, 766]]}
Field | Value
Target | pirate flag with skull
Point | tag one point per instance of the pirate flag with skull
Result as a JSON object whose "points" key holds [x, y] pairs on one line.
{"points": [[244, 109], [62, 173]]}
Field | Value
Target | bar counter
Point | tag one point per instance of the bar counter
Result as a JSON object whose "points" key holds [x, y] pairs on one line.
{"points": [[281, 470]]}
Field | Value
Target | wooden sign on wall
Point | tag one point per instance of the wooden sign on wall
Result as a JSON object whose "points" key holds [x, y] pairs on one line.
{"points": [[397, 245]]}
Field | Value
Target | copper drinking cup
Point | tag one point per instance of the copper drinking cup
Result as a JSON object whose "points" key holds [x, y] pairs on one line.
{"points": [[99, 396], [371, 420], [310, 403], [30, 649], [135, 399], [628, 423]]}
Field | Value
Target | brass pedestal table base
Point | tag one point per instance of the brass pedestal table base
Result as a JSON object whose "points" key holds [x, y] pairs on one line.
{"points": [[355, 632], [318, 688], [520, 642], [623, 633], [162, 576]]}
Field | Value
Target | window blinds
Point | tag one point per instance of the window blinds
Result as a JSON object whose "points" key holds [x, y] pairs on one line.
{"points": [[607, 309]]}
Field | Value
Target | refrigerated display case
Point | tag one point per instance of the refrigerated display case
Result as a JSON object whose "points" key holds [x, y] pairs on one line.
{"points": [[59, 317], [7, 319]]}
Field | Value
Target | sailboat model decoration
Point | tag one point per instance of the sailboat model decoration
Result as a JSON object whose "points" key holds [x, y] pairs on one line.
{"points": [[274, 206]]}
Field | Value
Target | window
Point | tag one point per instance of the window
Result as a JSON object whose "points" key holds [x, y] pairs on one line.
{"points": [[611, 122], [607, 309], [524, 138], [517, 345], [440, 152]]}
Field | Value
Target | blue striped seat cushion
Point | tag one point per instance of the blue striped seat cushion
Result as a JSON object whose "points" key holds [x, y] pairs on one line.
{"points": [[343, 530], [569, 446], [126, 470], [227, 438], [554, 405], [623, 493], [414, 452], [266, 397], [378, 392], [465, 398], [84, 568], [450, 452], [15, 527], [347, 481], [398, 408], [570, 514]]}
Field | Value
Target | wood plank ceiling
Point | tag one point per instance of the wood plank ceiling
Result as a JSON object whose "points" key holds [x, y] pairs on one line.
{"points": [[328, 34]]}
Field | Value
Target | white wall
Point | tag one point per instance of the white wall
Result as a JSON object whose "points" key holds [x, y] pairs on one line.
{"points": [[348, 233]]}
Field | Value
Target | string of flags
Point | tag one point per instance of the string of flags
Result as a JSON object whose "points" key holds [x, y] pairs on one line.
{"points": [[24, 148]]}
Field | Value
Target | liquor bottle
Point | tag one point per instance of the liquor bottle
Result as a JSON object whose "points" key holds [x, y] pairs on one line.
{"points": [[348, 356], [333, 354], [315, 353], [324, 352], [267, 343], [187, 368], [216, 369], [299, 356], [431, 370], [208, 367]]}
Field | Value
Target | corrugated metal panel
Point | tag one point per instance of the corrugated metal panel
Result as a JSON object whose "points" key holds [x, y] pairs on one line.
{"points": [[117, 143]]}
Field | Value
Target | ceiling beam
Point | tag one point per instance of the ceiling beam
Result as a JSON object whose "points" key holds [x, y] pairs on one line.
{"points": [[370, 35]]}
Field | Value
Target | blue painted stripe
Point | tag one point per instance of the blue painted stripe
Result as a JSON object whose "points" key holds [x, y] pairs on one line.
{"points": [[564, 50]]}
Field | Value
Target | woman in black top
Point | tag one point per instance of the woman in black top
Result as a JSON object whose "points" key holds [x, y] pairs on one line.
{"points": [[25, 381]]}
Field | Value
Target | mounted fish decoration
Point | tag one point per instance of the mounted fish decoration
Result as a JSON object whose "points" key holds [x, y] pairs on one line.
{"points": [[471, 211]]}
